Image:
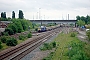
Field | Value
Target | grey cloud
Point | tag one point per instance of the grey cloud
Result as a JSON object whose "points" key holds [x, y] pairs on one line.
{"points": [[32, 5]]}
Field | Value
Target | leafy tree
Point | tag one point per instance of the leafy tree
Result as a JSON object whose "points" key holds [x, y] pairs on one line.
{"points": [[13, 14], [18, 25], [24, 24], [83, 19], [77, 17], [13, 27], [80, 23], [21, 14], [88, 19], [2, 14]]}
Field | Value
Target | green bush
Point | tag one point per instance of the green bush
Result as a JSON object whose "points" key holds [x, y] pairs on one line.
{"points": [[5, 33], [48, 46], [1, 46], [3, 39], [88, 34], [13, 27], [54, 44], [29, 35], [21, 37], [73, 34], [11, 42], [9, 30]]}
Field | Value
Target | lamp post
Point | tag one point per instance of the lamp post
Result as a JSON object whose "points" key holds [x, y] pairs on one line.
{"points": [[40, 16], [39, 13]]}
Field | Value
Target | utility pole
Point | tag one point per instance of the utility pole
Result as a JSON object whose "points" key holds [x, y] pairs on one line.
{"points": [[68, 16], [62, 17], [39, 14]]}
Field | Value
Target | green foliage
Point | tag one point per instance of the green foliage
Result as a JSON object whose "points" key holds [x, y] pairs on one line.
{"points": [[51, 24], [4, 19], [18, 26], [3, 15], [88, 34], [13, 27], [13, 14], [21, 37], [81, 23], [77, 17], [1, 45], [76, 51], [10, 31], [73, 34], [48, 46], [29, 35], [21, 14], [85, 19], [54, 44], [5, 33], [3, 39], [11, 42], [36, 29], [24, 24]]}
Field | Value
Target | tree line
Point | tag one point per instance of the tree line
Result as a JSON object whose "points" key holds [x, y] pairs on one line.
{"points": [[82, 20], [20, 15], [17, 26]]}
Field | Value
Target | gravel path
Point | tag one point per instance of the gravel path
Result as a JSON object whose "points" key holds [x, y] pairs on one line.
{"points": [[82, 35]]}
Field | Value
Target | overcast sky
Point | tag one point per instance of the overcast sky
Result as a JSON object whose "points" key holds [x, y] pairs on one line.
{"points": [[46, 9]]}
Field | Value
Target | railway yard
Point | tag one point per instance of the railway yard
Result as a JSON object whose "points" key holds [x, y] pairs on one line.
{"points": [[19, 51]]}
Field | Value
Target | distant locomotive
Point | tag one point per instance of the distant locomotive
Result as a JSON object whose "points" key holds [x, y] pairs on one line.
{"points": [[42, 29]]}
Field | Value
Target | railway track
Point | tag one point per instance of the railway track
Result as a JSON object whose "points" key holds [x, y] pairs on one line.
{"points": [[23, 49]]}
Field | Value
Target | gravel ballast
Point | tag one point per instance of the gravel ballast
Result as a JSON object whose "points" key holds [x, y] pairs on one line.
{"points": [[37, 54]]}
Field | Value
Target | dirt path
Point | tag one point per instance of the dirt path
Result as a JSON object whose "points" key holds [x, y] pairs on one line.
{"points": [[82, 36]]}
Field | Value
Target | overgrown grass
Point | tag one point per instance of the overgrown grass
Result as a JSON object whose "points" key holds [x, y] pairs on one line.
{"points": [[63, 41], [4, 46]]}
